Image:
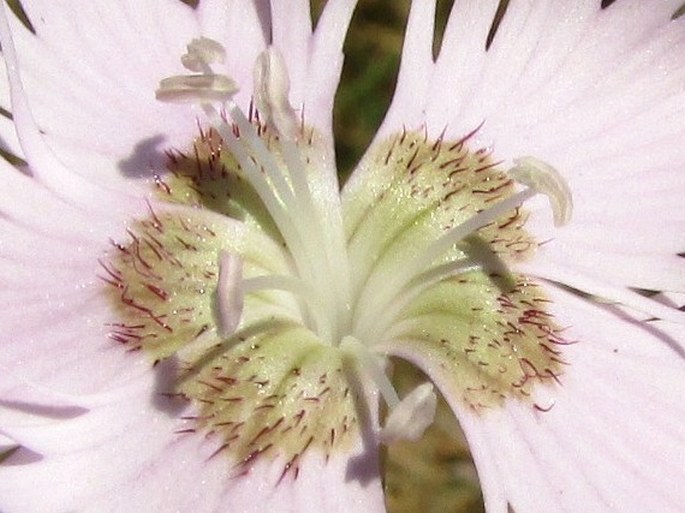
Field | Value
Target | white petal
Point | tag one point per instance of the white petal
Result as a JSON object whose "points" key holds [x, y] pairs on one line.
{"points": [[102, 65], [610, 437], [131, 452], [616, 140]]}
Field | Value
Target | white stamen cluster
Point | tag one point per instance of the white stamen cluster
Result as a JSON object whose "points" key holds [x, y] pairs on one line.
{"points": [[321, 280]]}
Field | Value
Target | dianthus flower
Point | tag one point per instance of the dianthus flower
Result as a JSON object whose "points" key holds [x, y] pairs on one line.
{"points": [[199, 318]]}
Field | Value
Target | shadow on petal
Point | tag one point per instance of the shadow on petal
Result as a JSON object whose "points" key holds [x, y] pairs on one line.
{"points": [[166, 399], [147, 157]]}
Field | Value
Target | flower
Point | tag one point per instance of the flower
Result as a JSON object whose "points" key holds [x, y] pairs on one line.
{"points": [[204, 321]]}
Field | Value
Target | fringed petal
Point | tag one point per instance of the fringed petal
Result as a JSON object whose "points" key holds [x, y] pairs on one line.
{"points": [[132, 450], [102, 81], [607, 437], [534, 91]]}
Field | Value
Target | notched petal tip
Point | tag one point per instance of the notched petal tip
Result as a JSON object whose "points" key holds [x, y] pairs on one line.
{"points": [[545, 179], [409, 419]]}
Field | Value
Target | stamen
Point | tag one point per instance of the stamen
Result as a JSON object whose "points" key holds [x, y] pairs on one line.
{"points": [[371, 327], [229, 293], [543, 178], [204, 88], [460, 232], [284, 190], [274, 200], [201, 53], [385, 288], [537, 175], [272, 86], [409, 419], [307, 295], [262, 155], [372, 367]]}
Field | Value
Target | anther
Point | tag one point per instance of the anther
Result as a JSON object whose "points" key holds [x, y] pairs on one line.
{"points": [[205, 88], [543, 178], [201, 53], [411, 416], [272, 86], [539, 177]]}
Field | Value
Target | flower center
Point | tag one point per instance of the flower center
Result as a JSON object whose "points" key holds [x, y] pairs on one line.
{"points": [[324, 275], [274, 290]]}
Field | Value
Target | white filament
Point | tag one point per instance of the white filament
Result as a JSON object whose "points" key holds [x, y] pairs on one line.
{"points": [[374, 327], [381, 289], [318, 255], [301, 290], [543, 178], [321, 285], [372, 367], [411, 416], [272, 87], [229, 293]]}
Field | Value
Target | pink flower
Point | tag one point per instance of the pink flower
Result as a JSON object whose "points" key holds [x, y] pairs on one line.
{"points": [[197, 319]]}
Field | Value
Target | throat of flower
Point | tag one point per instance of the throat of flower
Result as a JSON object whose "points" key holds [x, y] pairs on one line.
{"points": [[321, 282]]}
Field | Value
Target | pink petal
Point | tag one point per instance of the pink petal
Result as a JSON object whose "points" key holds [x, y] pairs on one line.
{"points": [[324, 64], [6, 444], [8, 135], [55, 316], [417, 65], [130, 454], [292, 30], [616, 140], [99, 114], [612, 438], [48, 168]]}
